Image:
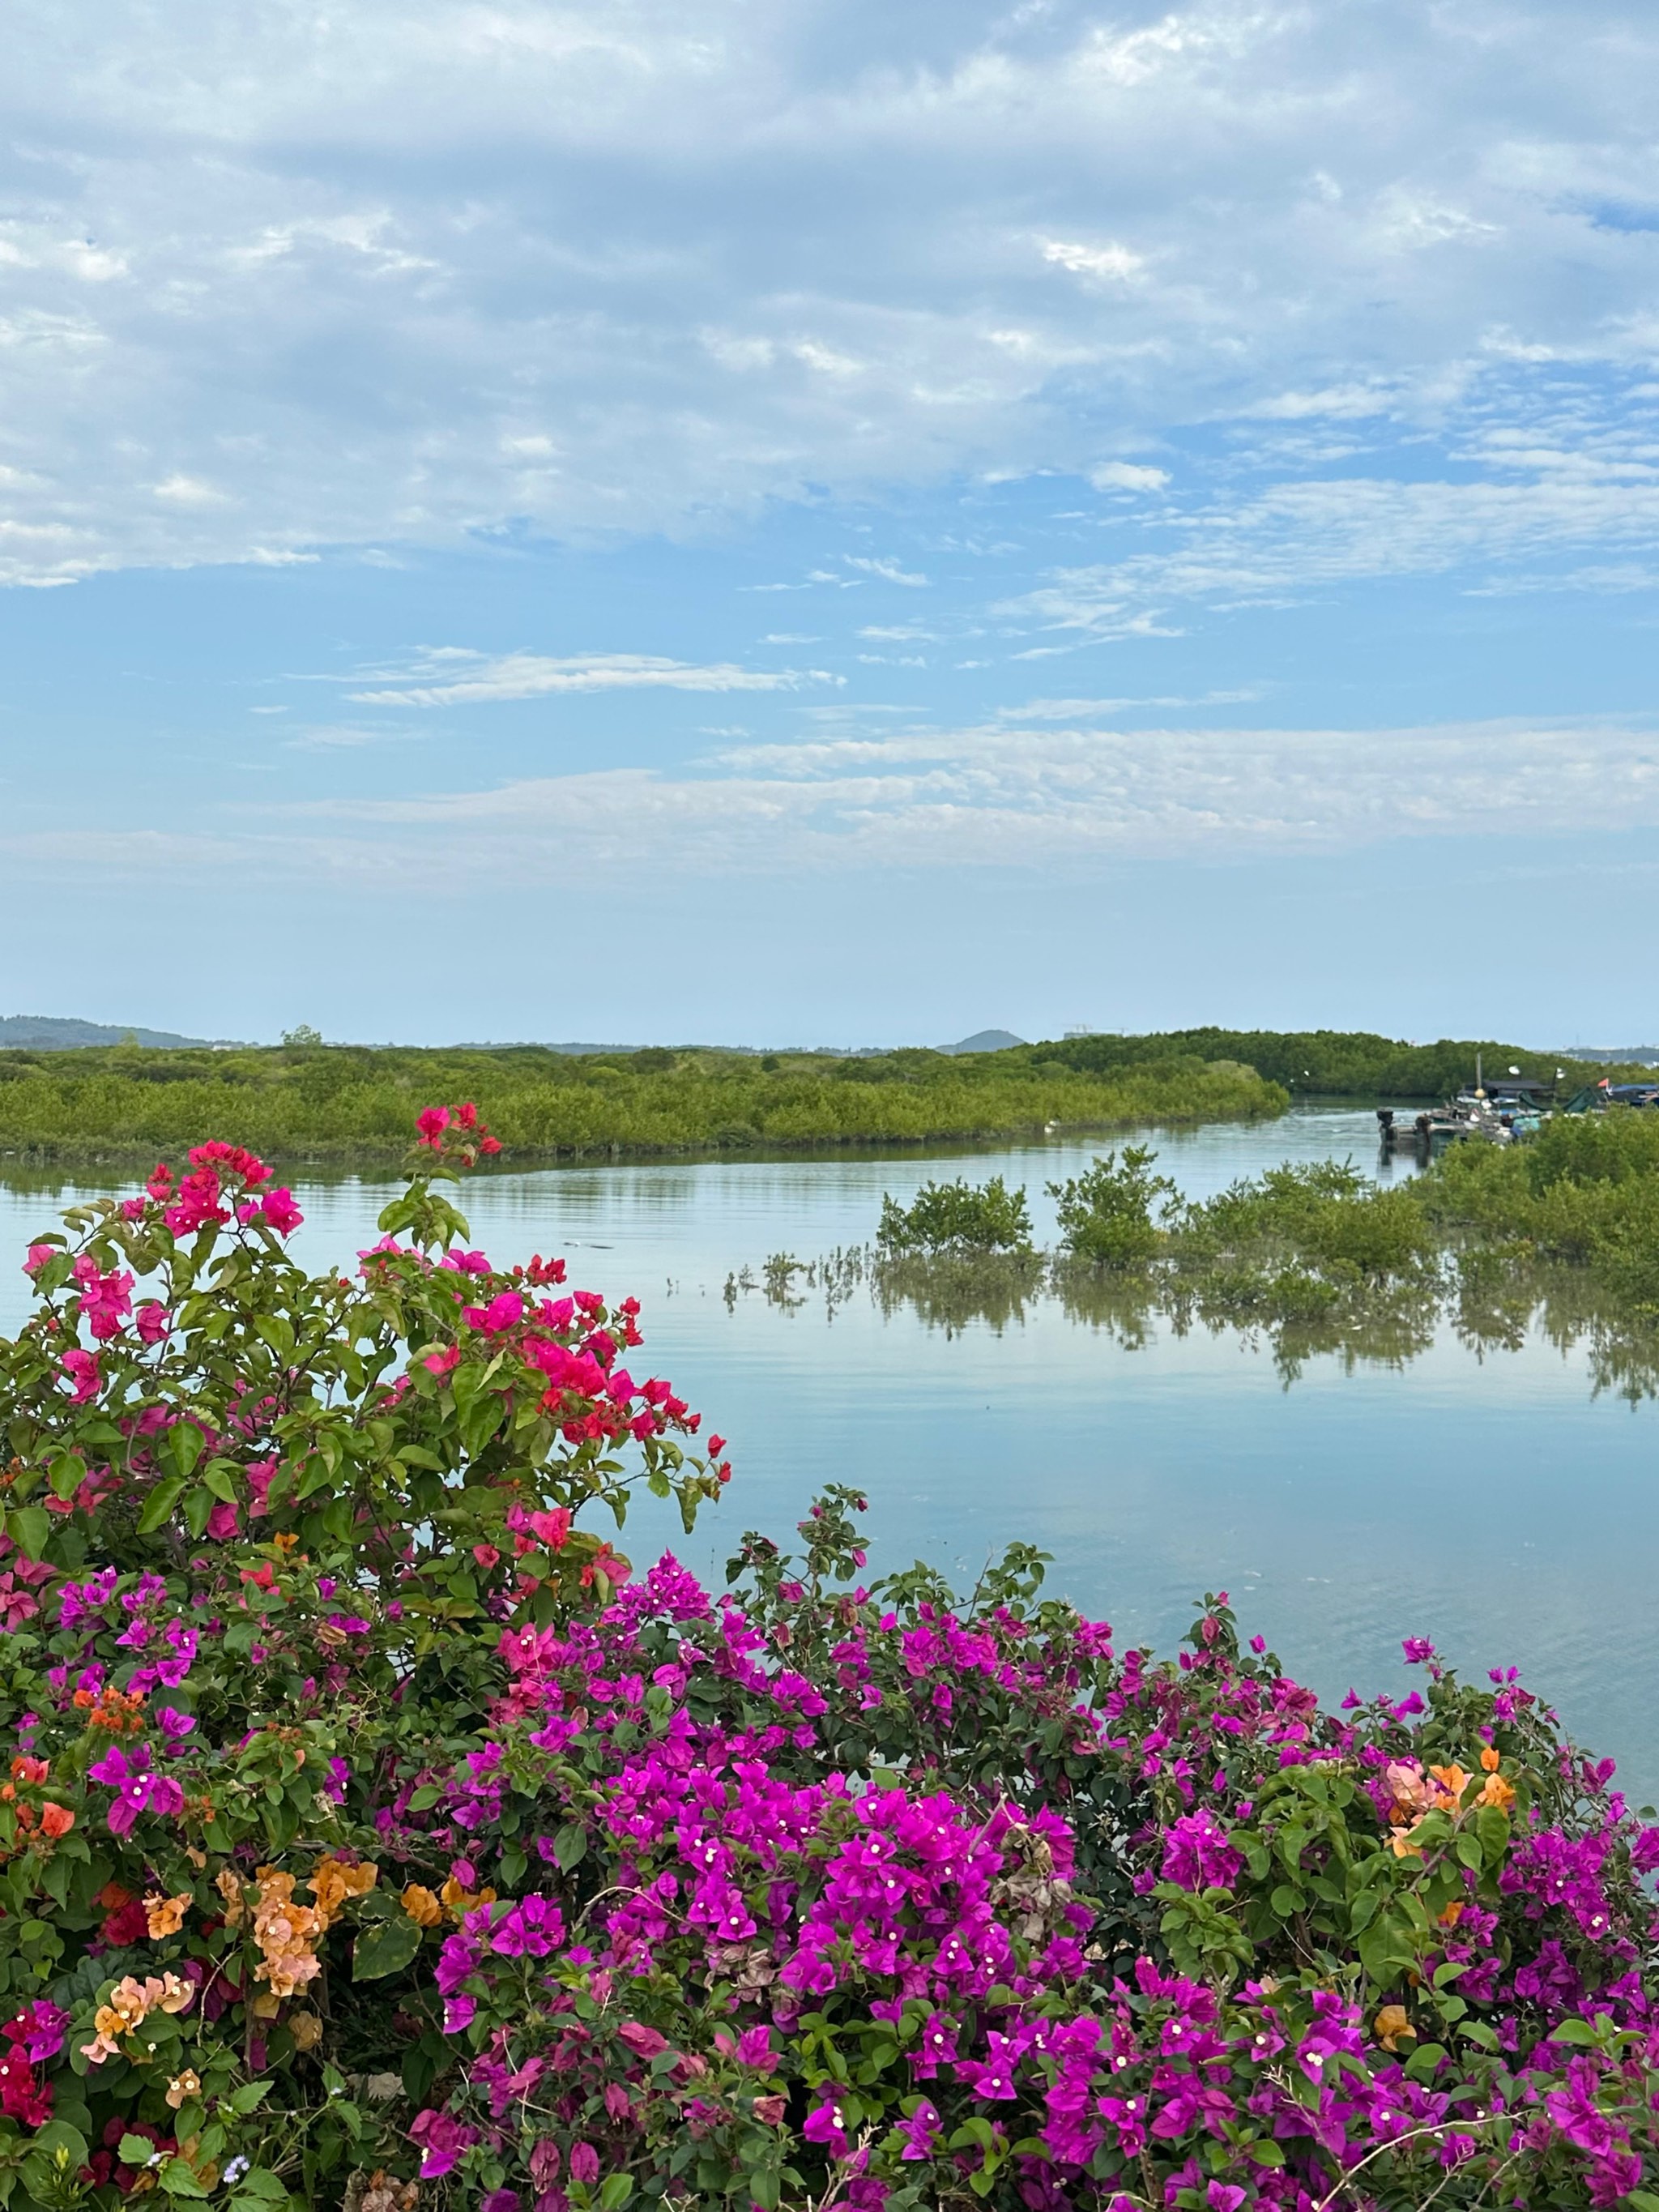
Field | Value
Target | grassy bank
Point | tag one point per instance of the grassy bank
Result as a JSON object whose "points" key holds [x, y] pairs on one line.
{"points": [[127, 1104]]}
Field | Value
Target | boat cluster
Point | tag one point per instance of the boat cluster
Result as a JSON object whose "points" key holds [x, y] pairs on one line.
{"points": [[1502, 1110]]}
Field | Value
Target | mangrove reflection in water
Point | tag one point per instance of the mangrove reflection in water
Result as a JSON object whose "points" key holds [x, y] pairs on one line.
{"points": [[1491, 1303]]}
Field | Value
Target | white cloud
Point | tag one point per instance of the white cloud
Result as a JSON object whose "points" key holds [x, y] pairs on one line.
{"points": [[978, 797], [888, 569], [1127, 475], [537, 676], [1109, 260], [190, 491], [350, 269], [1297, 539]]}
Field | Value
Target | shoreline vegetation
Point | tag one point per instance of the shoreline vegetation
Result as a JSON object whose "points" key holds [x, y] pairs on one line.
{"points": [[339, 1104], [1562, 1232], [346, 1105]]}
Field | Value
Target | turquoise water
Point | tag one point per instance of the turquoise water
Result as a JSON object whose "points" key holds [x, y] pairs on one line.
{"points": [[1494, 1502]]}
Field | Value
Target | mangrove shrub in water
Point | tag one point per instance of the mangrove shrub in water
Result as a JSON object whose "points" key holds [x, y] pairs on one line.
{"points": [[374, 1838], [1106, 1214], [960, 1215]]}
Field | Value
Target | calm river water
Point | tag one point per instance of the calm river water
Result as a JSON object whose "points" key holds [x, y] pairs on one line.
{"points": [[1494, 1502]]}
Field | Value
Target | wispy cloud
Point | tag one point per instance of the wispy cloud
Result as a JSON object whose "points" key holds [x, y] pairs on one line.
{"points": [[536, 675], [985, 798], [887, 568]]}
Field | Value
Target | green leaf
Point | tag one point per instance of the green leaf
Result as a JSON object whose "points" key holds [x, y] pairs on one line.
{"points": [[67, 1475], [219, 1476], [158, 1506], [1286, 1901], [615, 2192], [198, 1510], [178, 2180], [278, 1334], [571, 1844], [1573, 2031], [29, 1528], [250, 2096], [384, 1949], [261, 2182], [183, 1446], [135, 2149]]}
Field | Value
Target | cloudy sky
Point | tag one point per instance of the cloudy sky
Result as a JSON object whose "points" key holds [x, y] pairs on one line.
{"points": [[829, 523]]}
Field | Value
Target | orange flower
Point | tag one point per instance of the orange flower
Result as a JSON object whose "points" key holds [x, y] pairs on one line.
{"points": [[1391, 2023], [1452, 1915], [457, 1900], [165, 1915], [1497, 1791], [1489, 1760], [56, 1819], [25, 1768], [333, 1883], [306, 2029], [421, 1905], [182, 2087], [1454, 1780], [113, 1897]]}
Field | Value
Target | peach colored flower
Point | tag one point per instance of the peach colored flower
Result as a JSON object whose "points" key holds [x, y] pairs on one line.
{"points": [[165, 1915]]}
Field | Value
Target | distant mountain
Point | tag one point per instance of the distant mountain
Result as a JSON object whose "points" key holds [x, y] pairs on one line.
{"points": [[986, 1041], [57, 1033], [1615, 1056]]}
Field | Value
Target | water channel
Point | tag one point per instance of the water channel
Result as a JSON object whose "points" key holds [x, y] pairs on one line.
{"points": [[1497, 1501]]}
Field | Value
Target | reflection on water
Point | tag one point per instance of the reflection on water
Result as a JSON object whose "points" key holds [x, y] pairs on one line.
{"points": [[1452, 1473], [1491, 1301]]}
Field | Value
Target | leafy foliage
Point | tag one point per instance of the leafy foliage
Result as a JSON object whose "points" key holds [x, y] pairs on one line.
{"points": [[319, 1102], [1106, 1214], [1332, 1063], [960, 1215]]}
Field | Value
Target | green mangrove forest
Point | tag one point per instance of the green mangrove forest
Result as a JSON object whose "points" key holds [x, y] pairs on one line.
{"points": [[340, 1103], [309, 1101]]}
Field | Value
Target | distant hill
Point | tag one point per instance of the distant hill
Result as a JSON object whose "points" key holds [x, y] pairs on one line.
{"points": [[58, 1033], [986, 1041]]}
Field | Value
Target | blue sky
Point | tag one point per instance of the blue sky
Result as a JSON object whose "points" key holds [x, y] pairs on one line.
{"points": [[832, 524]]}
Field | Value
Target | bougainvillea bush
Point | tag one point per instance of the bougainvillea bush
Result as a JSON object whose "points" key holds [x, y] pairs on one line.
{"points": [[374, 1836]]}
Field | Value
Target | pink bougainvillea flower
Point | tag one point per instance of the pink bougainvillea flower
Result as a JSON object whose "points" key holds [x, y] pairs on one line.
{"points": [[441, 2140], [504, 1311], [276, 1210], [432, 1121], [197, 1205], [83, 1371], [37, 1258], [152, 1321], [138, 1789], [464, 1263], [826, 2125]]}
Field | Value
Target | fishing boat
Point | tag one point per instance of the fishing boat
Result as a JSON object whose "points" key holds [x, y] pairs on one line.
{"points": [[1497, 1112]]}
